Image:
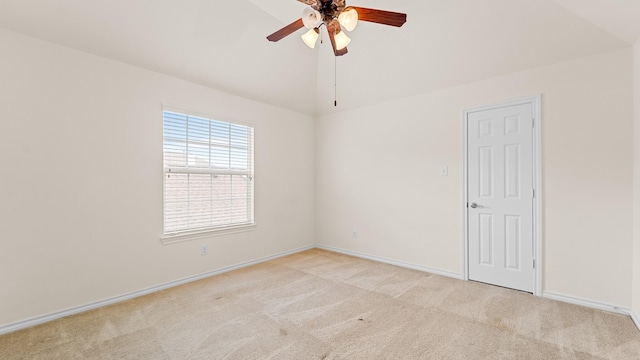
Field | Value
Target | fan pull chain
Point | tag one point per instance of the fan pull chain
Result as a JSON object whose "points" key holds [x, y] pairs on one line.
{"points": [[335, 81]]}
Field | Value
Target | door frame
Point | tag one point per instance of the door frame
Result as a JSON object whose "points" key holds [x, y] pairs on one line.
{"points": [[536, 103]]}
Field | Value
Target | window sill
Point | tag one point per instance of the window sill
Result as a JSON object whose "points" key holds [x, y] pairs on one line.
{"points": [[195, 235]]}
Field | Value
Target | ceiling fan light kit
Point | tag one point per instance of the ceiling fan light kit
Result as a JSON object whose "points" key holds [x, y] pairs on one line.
{"points": [[311, 18], [348, 19], [311, 37], [342, 40], [335, 16]]}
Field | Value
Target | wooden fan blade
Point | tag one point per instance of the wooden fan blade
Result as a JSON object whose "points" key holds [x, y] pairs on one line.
{"points": [[308, 2], [331, 30], [285, 31], [381, 16]]}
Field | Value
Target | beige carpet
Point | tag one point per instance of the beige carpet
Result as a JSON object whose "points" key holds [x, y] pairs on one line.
{"points": [[322, 305]]}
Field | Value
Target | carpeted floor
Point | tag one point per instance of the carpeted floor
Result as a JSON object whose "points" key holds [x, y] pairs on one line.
{"points": [[323, 305]]}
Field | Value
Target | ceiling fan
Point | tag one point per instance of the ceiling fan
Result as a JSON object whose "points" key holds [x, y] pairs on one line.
{"points": [[335, 16]]}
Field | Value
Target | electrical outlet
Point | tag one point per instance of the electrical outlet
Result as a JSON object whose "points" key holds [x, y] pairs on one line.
{"points": [[204, 250], [354, 234]]}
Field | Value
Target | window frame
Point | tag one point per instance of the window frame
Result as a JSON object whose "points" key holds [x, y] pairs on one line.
{"points": [[193, 234]]}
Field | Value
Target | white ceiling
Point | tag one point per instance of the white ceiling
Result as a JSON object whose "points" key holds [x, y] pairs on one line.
{"points": [[222, 44], [619, 17]]}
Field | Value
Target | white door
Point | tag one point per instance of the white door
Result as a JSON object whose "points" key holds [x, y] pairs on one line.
{"points": [[500, 196]]}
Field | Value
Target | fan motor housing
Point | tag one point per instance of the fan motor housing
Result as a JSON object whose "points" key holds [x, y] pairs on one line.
{"points": [[330, 9]]}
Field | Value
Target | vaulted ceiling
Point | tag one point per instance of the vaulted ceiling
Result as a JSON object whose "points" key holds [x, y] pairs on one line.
{"points": [[221, 44]]}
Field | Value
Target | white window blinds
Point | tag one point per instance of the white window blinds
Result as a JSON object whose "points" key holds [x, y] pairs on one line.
{"points": [[208, 174]]}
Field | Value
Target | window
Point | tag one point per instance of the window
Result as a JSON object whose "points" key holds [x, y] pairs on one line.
{"points": [[208, 174]]}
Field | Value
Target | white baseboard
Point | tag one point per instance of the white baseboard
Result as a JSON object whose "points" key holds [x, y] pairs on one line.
{"points": [[393, 262], [635, 319], [593, 304], [4, 329]]}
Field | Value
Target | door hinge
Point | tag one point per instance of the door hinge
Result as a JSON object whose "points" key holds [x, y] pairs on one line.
{"points": [[533, 193], [534, 263], [533, 122]]}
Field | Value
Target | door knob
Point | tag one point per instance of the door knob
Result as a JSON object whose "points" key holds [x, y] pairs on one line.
{"points": [[474, 205]]}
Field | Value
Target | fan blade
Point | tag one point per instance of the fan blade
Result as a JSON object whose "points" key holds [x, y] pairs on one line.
{"points": [[285, 31], [381, 16], [308, 2], [331, 30]]}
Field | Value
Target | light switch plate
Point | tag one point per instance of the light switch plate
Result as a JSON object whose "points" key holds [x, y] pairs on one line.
{"points": [[444, 171]]}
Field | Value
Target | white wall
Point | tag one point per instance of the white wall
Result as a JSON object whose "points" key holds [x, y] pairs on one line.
{"points": [[81, 185], [636, 179], [377, 172], [81, 179]]}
